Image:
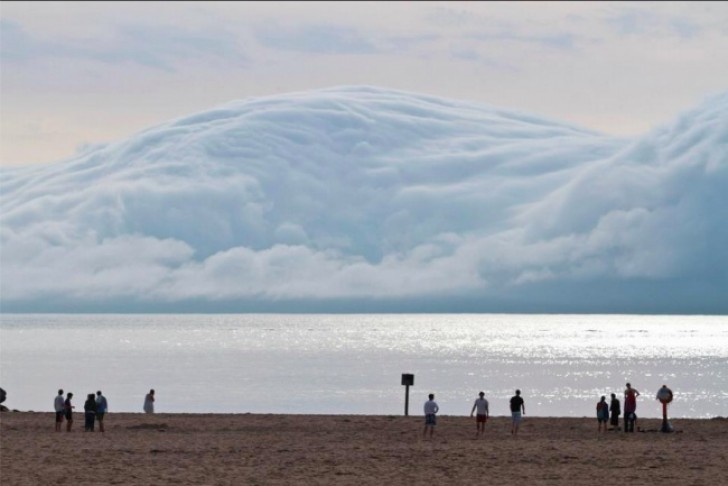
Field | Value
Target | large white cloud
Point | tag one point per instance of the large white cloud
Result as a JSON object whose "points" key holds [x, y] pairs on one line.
{"points": [[367, 194]]}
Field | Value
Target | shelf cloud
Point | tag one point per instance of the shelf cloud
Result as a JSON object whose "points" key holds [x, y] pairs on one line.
{"points": [[360, 198]]}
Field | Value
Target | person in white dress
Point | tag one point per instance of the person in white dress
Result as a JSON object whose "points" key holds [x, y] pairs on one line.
{"points": [[149, 402]]}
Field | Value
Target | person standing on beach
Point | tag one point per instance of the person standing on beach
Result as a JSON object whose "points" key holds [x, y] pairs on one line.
{"points": [[481, 404], [59, 408], [518, 409], [89, 413], [602, 413], [630, 407], [101, 408], [68, 411], [616, 410], [431, 409], [149, 402]]}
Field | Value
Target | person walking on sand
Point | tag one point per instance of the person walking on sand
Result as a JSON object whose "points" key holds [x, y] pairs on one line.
{"points": [[481, 405], [68, 411], [89, 413], [630, 407], [615, 409], [58, 406], [602, 413], [102, 407], [431, 409], [149, 402], [518, 410]]}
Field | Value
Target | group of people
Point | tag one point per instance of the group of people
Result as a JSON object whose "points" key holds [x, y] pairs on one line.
{"points": [[481, 411], [94, 409], [612, 411], [605, 412]]}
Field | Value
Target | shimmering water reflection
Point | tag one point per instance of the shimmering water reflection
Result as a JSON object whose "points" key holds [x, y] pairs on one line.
{"points": [[352, 363]]}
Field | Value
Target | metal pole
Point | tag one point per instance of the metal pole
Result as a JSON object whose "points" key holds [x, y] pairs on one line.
{"points": [[406, 400]]}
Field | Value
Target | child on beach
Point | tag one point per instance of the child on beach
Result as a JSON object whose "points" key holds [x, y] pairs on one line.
{"points": [[431, 409], [602, 413]]}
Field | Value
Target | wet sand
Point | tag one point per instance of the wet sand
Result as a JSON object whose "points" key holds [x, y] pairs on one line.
{"points": [[252, 449]]}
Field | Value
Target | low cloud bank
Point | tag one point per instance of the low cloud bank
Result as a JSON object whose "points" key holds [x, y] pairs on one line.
{"points": [[360, 198]]}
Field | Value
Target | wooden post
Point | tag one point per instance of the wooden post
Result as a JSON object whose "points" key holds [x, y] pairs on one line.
{"points": [[406, 400], [407, 380]]}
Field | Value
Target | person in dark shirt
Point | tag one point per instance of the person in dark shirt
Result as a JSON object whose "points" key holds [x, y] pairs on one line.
{"points": [[68, 410], [89, 409], [518, 409], [615, 409], [602, 413]]}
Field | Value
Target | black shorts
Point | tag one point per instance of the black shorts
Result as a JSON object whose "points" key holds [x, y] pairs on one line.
{"points": [[59, 417], [69, 416]]}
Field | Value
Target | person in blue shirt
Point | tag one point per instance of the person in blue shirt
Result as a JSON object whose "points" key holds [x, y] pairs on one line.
{"points": [[102, 407]]}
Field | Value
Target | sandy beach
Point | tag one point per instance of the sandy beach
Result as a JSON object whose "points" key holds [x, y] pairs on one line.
{"points": [[355, 449]]}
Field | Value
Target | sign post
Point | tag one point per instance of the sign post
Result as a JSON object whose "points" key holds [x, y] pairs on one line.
{"points": [[407, 380], [664, 395]]}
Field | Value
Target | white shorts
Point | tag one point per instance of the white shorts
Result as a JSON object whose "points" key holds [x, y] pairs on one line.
{"points": [[516, 417]]}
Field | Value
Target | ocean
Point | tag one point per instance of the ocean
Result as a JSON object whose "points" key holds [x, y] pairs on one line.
{"points": [[352, 363]]}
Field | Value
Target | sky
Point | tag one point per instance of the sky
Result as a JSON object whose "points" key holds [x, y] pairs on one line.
{"points": [[364, 157], [74, 74]]}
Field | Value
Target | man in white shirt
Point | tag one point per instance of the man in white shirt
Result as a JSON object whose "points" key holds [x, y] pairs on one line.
{"points": [[58, 406], [481, 404], [431, 410]]}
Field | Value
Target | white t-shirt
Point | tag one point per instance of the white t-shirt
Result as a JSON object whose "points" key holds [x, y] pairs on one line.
{"points": [[481, 406], [58, 403], [431, 407]]}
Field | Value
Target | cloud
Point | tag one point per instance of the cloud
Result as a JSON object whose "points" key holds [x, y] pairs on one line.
{"points": [[373, 197], [635, 20], [158, 47], [319, 39]]}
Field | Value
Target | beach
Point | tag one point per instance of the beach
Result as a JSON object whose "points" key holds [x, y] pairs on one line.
{"points": [[276, 449]]}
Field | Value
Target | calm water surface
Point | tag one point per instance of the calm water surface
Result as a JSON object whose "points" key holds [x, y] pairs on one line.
{"points": [[336, 364]]}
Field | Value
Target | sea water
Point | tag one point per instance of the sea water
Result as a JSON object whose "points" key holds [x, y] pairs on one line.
{"points": [[352, 364]]}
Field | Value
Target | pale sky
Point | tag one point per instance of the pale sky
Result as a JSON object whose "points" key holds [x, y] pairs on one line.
{"points": [[76, 73]]}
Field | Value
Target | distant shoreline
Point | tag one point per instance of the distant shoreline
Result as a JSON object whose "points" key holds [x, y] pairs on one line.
{"points": [[339, 415]]}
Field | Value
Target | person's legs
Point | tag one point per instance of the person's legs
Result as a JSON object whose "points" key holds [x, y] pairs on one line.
{"points": [[516, 422], [69, 423], [100, 418]]}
